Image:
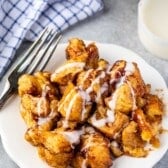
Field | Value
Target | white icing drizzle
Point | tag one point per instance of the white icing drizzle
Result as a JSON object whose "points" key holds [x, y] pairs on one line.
{"points": [[84, 165], [68, 111], [69, 65], [103, 88], [95, 81], [140, 119], [120, 82], [86, 100], [86, 75], [113, 80], [69, 108], [114, 144], [134, 107], [129, 69], [101, 122], [116, 135], [89, 143], [89, 130], [43, 120], [65, 99], [112, 102], [85, 93], [42, 100], [73, 137]]}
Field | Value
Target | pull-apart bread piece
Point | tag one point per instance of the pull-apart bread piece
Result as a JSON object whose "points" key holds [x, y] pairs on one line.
{"points": [[67, 72], [128, 85], [132, 142], [55, 147], [79, 57], [89, 110], [78, 51], [73, 106], [39, 100], [108, 122], [93, 151], [94, 83]]}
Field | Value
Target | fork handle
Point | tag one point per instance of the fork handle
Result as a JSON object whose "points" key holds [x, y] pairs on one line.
{"points": [[7, 92]]}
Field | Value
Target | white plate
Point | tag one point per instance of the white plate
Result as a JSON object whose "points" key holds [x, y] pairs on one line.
{"points": [[12, 127]]}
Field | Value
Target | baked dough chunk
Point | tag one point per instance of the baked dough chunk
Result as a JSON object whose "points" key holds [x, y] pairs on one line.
{"points": [[55, 147], [108, 122], [73, 106], [67, 72], [59, 160], [39, 100], [79, 57], [132, 143], [153, 107], [78, 51], [94, 84], [93, 152], [127, 86]]}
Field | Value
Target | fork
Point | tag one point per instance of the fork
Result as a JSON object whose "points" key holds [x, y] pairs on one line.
{"points": [[36, 58]]}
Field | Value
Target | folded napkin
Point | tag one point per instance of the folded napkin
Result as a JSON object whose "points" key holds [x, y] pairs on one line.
{"points": [[25, 19]]}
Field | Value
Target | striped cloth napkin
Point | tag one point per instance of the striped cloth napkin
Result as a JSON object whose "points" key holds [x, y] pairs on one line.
{"points": [[25, 19]]}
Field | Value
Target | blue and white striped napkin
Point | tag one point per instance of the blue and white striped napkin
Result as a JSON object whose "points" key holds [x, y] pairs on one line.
{"points": [[25, 19]]}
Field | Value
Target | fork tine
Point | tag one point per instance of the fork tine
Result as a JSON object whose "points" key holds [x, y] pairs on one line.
{"points": [[37, 41], [33, 46], [51, 53], [41, 62], [27, 62]]}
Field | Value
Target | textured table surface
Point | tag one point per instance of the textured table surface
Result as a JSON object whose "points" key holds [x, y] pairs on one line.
{"points": [[118, 25]]}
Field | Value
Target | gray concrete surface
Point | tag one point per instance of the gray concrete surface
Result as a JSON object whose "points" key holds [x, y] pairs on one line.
{"points": [[118, 25]]}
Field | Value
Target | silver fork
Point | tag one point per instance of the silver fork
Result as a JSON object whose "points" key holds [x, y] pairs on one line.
{"points": [[36, 58]]}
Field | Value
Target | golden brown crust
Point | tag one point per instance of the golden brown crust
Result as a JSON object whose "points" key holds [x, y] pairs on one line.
{"points": [[72, 106], [59, 160], [153, 107], [89, 153], [78, 51], [55, 142], [144, 126], [112, 129], [132, 143], [67, 72], [28, 84]]}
